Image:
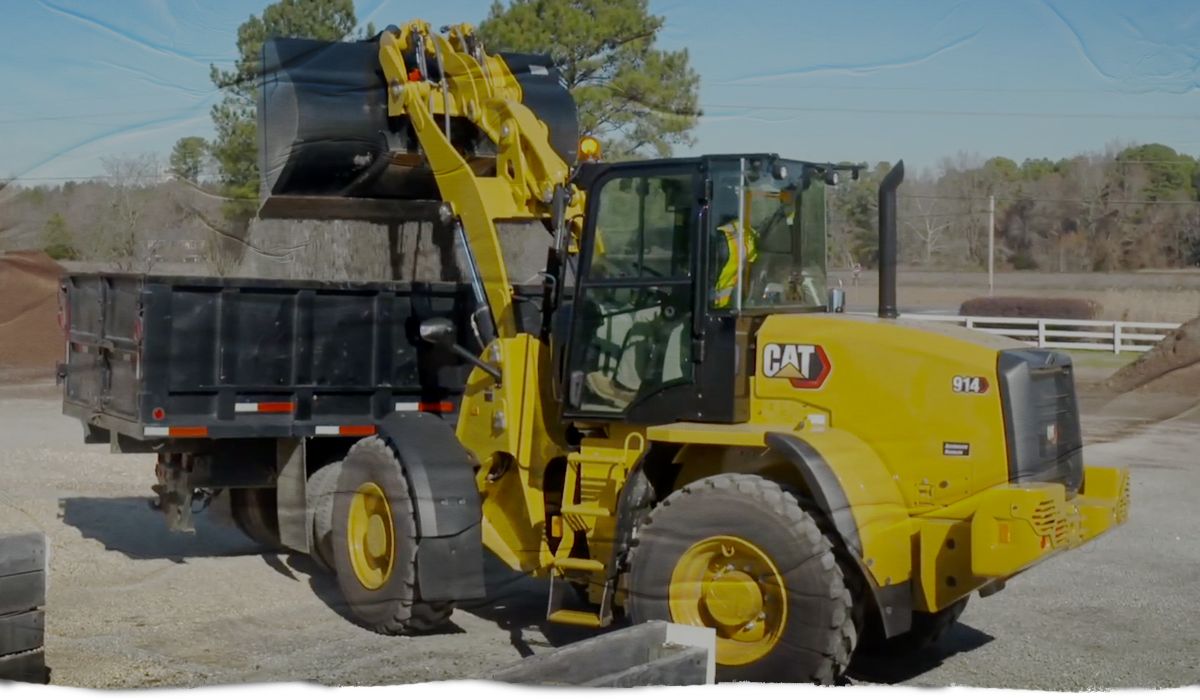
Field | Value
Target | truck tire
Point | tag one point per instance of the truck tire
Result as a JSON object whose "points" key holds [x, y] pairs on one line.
{"points": [[254, 513], [737, 553], [375, 544], [321, 487]]}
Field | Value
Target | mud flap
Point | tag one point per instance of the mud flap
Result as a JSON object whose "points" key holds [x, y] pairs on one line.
{"points": [[291, 493], [441, 478]]}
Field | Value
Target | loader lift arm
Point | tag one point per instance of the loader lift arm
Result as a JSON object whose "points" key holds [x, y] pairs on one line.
{"points": [[481, 89]]}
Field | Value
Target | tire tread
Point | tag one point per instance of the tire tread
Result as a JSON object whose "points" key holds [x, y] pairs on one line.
{"points": [[835, 643]]}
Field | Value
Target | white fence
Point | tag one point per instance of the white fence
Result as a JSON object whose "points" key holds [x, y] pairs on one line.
{"points": [[1117, 336]]}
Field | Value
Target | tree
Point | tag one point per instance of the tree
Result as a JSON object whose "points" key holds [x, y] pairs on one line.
{"points": [[189, 158], [57, 240], [637, 99], [1169, 174], [854, 217], [927, 220], [1003, 169], [234, 147], [119, 235]]}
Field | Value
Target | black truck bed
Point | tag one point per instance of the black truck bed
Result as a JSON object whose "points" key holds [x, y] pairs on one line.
{"points": [[153, 357]]}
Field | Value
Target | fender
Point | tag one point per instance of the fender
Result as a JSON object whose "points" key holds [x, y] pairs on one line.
{"points": [[853, 488], [441, 479]]}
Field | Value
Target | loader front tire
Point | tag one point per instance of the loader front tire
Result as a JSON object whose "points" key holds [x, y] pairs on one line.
{"points": [[738, 554], [375, 544]]}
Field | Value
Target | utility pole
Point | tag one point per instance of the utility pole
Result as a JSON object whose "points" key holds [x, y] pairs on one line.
{"points": [[991, 244]]}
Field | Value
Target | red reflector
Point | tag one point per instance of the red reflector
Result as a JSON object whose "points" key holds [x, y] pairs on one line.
{"points": [[158, 414], [436, 406], [414, 75], [275, 407], [356, 430], [188, 432]]}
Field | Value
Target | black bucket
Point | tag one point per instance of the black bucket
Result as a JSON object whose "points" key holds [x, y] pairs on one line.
{"points": [[324, 129]]}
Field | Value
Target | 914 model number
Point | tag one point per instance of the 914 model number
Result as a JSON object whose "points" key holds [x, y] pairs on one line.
{"points": [[970, 385]]}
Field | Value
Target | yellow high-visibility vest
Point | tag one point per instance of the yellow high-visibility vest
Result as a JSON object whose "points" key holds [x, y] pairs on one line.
{"points": [[727, 279]]}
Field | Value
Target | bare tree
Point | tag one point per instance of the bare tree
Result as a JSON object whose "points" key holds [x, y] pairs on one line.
{"points": [[119, 236], [928, 218]]}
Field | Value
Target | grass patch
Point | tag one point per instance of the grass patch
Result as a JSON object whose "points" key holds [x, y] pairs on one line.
{"points": [[1102, 359]]}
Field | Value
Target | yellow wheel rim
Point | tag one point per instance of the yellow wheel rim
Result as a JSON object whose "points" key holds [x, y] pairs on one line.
{"points": [[371, 536], [734, 587]]}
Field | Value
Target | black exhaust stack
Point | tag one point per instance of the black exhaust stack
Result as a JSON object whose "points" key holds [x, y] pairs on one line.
{"points": [[888, 241]]}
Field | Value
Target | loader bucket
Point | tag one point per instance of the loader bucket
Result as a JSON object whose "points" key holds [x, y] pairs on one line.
{"points": [[324, 130]]}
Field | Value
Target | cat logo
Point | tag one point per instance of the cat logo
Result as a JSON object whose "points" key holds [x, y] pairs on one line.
{"points": [[805, 366]]}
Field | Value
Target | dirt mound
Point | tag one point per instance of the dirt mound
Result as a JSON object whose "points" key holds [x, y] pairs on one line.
{"points": [[29, 334], [1162, 365]]}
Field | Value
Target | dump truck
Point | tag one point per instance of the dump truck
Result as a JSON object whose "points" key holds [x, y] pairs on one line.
{"points": [[671, 419]]}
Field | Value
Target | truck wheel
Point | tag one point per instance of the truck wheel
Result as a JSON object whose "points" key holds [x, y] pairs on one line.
{"points": [[927, 629], [254, 513], [375, 544], [321, 487], [736, 553]]}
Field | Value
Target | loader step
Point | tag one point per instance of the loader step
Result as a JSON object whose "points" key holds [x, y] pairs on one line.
{"points": [[587, 511], [577, 564], [579, 618]]}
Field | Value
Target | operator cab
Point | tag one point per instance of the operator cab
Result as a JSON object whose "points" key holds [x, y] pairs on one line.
{"points": [[680, 261]]}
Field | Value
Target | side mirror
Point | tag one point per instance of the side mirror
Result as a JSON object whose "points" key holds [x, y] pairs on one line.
{"points": [[837, 300], [438, 332]]}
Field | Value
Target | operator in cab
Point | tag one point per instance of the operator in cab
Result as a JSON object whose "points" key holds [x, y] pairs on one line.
{"points": [[755, 245]]}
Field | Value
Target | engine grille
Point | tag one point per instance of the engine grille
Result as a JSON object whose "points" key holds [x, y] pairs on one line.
{"points": [[1045, 442]]}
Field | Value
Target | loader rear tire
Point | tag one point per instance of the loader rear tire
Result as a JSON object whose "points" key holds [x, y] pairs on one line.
{"points": [[321, 487], [254, 512], [375, 544], [737, 553]]}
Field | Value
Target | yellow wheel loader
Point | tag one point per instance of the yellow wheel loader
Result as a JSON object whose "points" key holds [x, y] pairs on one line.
{"points": [[675, 422]]}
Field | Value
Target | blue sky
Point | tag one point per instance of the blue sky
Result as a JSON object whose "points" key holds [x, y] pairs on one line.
{"points": [[855, 80]]}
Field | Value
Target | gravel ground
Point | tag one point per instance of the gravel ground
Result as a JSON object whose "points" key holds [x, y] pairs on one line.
{"points": [[132, 605]]}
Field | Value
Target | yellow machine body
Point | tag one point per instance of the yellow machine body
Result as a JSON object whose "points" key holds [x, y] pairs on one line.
{"points": [[906, 420], [951, 524]]}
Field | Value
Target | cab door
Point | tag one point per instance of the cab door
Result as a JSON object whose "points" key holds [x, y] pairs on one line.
{"points": [[632, 330]]}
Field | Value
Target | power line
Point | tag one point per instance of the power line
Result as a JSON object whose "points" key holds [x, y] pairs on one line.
{"points": [[952, 90], [751, 108], [964, 198], [958, 113], [91, 115]]}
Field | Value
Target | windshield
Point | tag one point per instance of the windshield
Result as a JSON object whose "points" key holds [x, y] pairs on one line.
{"points": [[767, 235]]}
